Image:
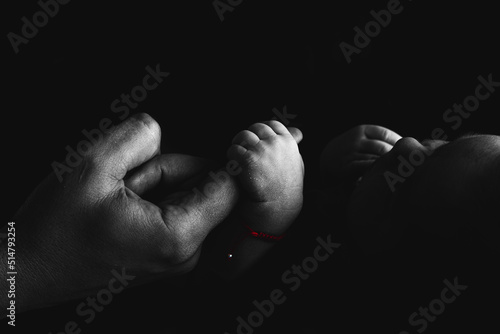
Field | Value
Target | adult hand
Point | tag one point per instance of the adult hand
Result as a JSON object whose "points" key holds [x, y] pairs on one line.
{"points": [[72, 234]]}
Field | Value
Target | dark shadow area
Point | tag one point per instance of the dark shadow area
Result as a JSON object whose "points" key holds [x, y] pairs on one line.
{"points": [[224, 76]]}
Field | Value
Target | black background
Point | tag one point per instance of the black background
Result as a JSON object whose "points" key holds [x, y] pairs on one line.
{"points": [[224, 77]]}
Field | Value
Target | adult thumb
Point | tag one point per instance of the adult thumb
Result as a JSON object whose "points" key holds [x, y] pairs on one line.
{"points": [[127, 146]]}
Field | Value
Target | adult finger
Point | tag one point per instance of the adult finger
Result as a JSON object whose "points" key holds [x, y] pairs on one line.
{"points": [[198, 211], [127, 146], [169, 170]]}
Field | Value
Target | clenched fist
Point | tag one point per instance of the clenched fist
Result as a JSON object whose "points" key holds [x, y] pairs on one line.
{"points": [[72, 234]]}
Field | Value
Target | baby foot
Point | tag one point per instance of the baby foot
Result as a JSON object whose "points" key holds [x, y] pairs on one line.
{"points": [[271, 176], [349, 155]]}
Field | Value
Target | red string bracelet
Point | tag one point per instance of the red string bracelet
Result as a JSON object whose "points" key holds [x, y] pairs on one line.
{"points": [[262, 235], [259, 235]]}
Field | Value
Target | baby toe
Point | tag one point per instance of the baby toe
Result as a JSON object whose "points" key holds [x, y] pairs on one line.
{"points": [[263, 131], [237, 153], [246, 138]]}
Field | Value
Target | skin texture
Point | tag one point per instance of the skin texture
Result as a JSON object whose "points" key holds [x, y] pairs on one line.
{"points": [[349, 155], [455, 189], [271, 182], [272, 175], [72, 234]]}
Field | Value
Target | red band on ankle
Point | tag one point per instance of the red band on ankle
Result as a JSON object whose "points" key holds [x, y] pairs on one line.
{"points": [[259, 235], [262, 235]]}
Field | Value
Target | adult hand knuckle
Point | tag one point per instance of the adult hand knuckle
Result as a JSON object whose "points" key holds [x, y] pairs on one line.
{"points": [[144, 122]]}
